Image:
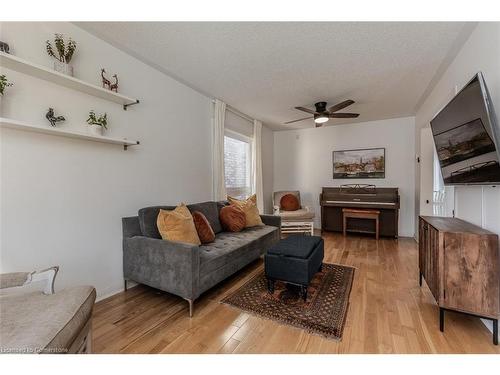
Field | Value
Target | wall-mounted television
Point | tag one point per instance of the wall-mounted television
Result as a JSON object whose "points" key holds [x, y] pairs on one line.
{"points": [[467, 137]]}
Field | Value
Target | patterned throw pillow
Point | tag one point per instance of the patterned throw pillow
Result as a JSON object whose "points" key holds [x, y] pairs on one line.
{"points": [[249, 207], [289, 202], [203, 227], [177, 225], [232, 218]]}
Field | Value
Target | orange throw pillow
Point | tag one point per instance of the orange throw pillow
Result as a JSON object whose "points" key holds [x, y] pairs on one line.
{"points": [[289, 202], [232, 218], [205, 231], [177, 225], [249, 207]]}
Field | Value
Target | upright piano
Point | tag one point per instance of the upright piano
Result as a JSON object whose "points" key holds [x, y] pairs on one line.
{"points": [[386, 200]]}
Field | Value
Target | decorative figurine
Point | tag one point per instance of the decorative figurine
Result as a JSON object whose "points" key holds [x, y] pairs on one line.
{"points": [[4, 47], [52, 118], [4, 83], [105, 82], [65, 52], [114, 86]]}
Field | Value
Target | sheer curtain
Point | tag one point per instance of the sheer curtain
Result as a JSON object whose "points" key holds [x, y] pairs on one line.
{"points": [[219, 185], [257, 164]]}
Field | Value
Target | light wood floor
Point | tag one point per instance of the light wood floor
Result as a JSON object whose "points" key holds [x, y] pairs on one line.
{"points": [[388, 313]]}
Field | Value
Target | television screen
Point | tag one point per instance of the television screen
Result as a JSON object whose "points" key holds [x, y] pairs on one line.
{"points": [[466, 136]]}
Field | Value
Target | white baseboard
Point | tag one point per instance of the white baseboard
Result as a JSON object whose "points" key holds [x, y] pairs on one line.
{"points": [[130, 284]]}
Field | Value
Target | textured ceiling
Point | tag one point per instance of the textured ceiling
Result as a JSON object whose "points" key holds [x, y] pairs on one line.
{"points": [[266, 69]]}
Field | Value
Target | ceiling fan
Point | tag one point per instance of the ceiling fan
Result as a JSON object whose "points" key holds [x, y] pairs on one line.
{"points": [[322, 115]]}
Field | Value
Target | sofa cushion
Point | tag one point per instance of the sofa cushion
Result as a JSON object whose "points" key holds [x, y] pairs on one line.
{"points": [[178, 225], [232, 218], [35, 322], [298, 215], [209, 209], [249, 206], [228, 246], [203, 227], [147, 220]]}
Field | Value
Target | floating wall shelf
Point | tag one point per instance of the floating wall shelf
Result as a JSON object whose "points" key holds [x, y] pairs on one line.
{"points": [[16, 63], [20, 125]]}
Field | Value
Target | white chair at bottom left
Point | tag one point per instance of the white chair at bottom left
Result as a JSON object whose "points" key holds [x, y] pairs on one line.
{"points": [[44, 321]]}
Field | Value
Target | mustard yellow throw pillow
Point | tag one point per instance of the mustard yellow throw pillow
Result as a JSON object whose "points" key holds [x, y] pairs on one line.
{"points": [[249, 207], [177, 225]]}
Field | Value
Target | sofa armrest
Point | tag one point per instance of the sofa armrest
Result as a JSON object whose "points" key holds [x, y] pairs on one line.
{"points": [[272, 220], [23, 279], [170, 266]]}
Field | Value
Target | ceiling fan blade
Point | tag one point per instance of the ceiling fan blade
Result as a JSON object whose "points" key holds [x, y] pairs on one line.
{"points": [[339, 106], [300, 119], [307, 110], [343, 115]]}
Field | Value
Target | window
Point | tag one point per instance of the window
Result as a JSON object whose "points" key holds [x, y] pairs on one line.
{"points": [[237, 164]]}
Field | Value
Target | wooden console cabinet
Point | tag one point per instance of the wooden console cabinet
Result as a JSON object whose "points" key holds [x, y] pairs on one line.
{"points": [[460, 263]]}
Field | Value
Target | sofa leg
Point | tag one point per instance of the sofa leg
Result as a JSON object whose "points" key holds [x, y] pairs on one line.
{"points": [[190, 301], [125, 284]]}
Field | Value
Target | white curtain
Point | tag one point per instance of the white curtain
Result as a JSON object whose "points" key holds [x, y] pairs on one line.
{"points": [[257, 164], [219, 186]]}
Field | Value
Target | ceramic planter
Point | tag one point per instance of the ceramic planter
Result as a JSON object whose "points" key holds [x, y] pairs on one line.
{"points": [[95, 130], [63, 68]]}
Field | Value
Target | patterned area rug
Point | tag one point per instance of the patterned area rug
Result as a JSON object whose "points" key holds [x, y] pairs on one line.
{"points": [[324, 312]]}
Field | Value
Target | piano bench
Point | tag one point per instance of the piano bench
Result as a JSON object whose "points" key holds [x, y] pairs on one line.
{"points": [[361, 214]]}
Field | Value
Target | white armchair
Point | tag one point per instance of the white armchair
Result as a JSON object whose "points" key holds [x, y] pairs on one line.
{"points": [[35, 321], [297, 221]]}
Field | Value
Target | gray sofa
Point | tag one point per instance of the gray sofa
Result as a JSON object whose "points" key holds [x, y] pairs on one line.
{"points": [[188, 270]]}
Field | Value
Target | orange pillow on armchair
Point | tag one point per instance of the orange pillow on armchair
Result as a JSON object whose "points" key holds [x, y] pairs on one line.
{"points": [[289, 202]]}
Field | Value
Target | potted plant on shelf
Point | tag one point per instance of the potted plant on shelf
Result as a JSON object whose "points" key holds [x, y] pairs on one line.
{"points": [[65, 52], [97, 124], [4, 83]]}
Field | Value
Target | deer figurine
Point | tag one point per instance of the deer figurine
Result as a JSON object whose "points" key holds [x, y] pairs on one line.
{"points": [[114, 86], [105, 81]]}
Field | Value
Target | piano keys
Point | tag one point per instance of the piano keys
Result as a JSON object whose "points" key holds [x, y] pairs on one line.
{"points": [[386, 200]]}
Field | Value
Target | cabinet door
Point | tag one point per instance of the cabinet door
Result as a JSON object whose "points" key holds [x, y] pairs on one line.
{"points": [[433, 261], [471, 273], [422, 248], [428, 256]]}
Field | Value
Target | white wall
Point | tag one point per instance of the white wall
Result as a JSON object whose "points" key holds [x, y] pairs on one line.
{"points": [[303, 160], [62, 199], [267, 168], [481, 52]]}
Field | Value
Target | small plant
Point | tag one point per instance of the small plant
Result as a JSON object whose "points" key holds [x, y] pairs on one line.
{"points": [[101, 120], [64, 50], [4, 83]]}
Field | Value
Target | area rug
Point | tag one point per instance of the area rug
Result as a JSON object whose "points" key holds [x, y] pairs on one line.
{"points": [[324, 312]]}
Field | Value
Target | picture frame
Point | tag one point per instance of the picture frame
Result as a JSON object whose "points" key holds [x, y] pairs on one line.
{"points": [[359, 163]]}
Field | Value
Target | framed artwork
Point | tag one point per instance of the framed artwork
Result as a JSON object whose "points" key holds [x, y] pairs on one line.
{"points": [[363, 163]]}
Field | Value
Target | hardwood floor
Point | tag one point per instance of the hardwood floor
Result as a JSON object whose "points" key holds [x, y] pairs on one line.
{"points": [[388, 313]]}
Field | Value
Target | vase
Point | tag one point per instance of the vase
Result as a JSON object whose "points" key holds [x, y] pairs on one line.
{"points": [[63, 68], [95, 130]]}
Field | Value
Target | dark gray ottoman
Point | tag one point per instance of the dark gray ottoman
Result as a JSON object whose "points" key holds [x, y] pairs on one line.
{"points": [[294, 260]]}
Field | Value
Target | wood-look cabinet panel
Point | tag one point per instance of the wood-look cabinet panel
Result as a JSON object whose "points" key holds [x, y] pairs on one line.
{"points": [[429, 256], [460, 263], [470, 274]]}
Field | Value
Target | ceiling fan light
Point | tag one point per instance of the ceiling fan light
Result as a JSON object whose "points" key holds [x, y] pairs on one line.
{"points": [[320, 119]]}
